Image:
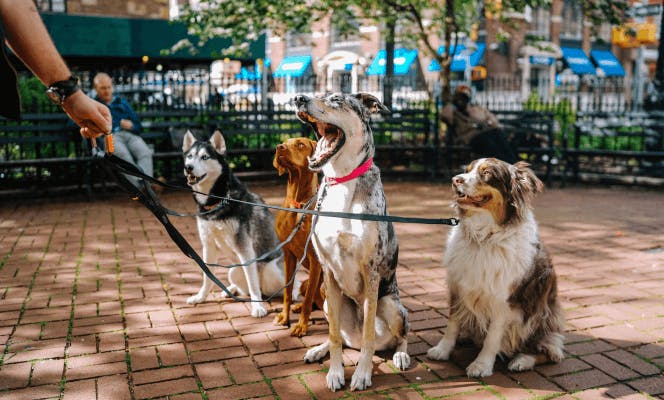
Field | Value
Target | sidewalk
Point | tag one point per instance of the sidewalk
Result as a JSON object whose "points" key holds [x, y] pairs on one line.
{"points": [[92, 306]]}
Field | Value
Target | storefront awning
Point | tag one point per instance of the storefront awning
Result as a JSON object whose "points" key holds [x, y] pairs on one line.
{"points": [[294, 67], [403, 60], [578, 61], [608, 62], [459, 58]]}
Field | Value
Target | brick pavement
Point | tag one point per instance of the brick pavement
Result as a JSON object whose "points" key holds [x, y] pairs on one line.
{"points": [[92, 306]]}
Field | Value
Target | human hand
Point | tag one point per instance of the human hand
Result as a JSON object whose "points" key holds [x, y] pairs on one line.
{"points": [[93, 117], [126, 124]]}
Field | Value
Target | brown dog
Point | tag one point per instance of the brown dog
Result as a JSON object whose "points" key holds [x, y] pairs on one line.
{"points": [[291, 156]]}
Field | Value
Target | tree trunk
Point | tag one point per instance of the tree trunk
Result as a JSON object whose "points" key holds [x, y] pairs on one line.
{"points": [[446, 62], [388, 79]]}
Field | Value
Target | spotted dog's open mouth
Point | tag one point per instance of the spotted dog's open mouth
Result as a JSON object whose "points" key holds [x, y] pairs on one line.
{"points": [[330, 139], [477, 201], [193, 179]]}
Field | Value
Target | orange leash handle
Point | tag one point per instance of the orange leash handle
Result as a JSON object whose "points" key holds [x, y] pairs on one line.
{"points": [[108, 140], [110, 146]]}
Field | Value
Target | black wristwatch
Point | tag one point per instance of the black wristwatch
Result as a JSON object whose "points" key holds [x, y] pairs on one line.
{"points": [[60, 90]]}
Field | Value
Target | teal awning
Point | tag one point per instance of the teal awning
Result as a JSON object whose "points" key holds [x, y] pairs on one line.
{"points": [[94, 36], [293, 66], [578, 61], [608, 62], [459, 57], [403, 59]]}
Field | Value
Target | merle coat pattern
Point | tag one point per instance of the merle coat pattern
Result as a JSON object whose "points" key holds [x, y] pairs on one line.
{"points": [[243, 230], [359, 258]]}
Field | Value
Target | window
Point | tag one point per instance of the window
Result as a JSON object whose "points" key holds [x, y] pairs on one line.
{"points": [[572, 20], [541, 23], [57, 6], [297, 42], [345, 30]]}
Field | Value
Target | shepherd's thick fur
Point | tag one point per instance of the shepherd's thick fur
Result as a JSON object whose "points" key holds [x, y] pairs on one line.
{"points": [[501, 279]]}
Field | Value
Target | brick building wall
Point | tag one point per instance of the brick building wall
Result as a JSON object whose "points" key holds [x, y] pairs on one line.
{"points": [[114, 8]]}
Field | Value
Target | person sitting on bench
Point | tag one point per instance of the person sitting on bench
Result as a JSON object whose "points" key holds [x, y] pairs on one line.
{"points": [[476, 126]]}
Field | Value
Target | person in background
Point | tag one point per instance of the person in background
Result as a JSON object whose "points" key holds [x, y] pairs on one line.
{"points": [[129, 145], [476, 126], [22, 29]]}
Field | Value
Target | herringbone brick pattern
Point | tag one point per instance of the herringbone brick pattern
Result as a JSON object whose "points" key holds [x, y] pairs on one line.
{"points": [[92, 306]]}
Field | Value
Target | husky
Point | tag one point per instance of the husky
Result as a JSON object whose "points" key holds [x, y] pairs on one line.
{"points": [[359, 258], [245, 231]]}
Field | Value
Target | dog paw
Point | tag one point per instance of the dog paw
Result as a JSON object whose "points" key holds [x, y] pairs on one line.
{"points": [[299, 329], [479, 369], [522, 362], [232, 289], [258, 311], [401, 360], [361, 379], [297, 308], [316, 353], [281, 319], [335, 378], [439, 352], [555, 353], [196, 299]]}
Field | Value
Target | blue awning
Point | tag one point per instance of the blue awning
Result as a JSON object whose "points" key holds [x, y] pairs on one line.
{"points": [[578, 61], [608, 62], [248, 75], [459, 57], [403, 59], [294, 66]]}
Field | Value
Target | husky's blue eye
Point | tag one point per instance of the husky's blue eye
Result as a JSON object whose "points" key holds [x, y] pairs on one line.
{"points": [[205, 157]]}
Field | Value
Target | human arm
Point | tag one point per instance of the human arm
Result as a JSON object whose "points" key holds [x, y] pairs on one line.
{"points": [[29, 40]]}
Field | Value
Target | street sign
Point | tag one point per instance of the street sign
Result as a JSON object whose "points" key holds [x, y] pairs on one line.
{"points": [[644, 10]]}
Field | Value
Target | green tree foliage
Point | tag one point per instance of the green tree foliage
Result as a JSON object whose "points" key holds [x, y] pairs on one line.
{"points": [[419, 20]]}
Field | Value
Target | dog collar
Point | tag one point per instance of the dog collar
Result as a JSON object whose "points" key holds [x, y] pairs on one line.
{"points": [[296, 204], [357, 172]]}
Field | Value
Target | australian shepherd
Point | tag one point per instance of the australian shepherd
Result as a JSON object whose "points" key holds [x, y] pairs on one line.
{"points": [[502, 284]]}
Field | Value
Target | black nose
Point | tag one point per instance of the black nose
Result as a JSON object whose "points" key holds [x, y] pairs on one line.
{"points": [[301, 99], [458, 180], [189, 167]]}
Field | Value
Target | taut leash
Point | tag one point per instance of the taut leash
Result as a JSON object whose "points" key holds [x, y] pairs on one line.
{"points": [[118, 167]]}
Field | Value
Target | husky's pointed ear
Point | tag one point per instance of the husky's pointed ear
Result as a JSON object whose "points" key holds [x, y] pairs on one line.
{"points": [[188, 141], [218, 142], [371, 102]]}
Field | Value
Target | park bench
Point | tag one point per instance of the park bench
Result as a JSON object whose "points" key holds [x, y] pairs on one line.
{"points": [[616, 146], [531, 133], [42, 151]]}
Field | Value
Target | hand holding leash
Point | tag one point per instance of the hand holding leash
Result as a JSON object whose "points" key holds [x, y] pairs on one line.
{"points": [[108, 140]]}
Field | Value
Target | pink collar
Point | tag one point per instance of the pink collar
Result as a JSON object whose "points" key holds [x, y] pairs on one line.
{"points": [[357, 172]]}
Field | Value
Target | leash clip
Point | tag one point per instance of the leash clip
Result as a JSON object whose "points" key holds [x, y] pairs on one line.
{"points": [[454, 221], [108, 140]]}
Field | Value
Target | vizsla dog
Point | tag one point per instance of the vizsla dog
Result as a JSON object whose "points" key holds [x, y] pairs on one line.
{"points": [[292, 157]]}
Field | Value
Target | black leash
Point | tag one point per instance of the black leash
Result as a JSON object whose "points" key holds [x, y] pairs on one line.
{"points": [[118, 167], [131, 169]]}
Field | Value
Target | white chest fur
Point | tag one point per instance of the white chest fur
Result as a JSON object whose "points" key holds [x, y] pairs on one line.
{"points": [[489, 259], [344, 245], [220, 233]]}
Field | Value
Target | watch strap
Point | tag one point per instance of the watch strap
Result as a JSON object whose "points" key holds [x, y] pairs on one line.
{"points": [[65, 88]]}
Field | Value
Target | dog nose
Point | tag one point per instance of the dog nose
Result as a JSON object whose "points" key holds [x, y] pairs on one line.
{"points": [[189, 167], [458, 180], [301, 99], [281, 146]]}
